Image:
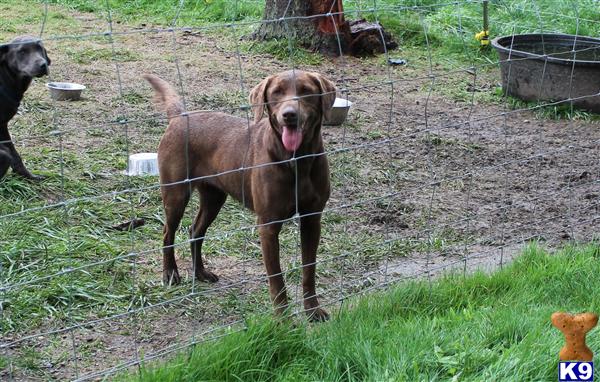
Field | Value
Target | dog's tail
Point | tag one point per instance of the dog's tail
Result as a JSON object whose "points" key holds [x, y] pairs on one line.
{"points": [[165, 97]]}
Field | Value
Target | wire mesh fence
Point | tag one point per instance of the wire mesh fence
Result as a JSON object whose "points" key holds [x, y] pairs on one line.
{"points": [[435, 169]]}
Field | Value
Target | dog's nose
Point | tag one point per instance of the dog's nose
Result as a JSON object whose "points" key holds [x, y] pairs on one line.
{"points": [[44, 67], [290, 115]]}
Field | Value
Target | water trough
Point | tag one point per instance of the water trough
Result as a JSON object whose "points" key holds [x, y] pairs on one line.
{"points": [[551, 67]]}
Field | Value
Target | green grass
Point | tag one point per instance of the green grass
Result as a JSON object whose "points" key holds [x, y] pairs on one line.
{"points": [[447, 28], [21, 17], [440, 17], [479, 327], [562, 111], [165, 11], [280, 49], [452, 27], [461, 89], [89, 55]]}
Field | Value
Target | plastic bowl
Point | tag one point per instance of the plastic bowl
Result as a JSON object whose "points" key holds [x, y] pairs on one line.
{"points": [[63, 91], [338, 113], [143, 164]]}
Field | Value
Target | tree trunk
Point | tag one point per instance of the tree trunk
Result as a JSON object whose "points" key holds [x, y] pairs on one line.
{"points": [[301, 22], [320, 25]]}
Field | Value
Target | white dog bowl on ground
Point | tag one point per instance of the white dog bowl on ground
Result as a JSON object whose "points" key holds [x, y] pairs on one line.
{"points": [[338, 113], [62, 91], [143, 164]]}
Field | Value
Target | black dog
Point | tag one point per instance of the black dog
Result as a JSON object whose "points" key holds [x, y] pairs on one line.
{"points": [[20, 60]]}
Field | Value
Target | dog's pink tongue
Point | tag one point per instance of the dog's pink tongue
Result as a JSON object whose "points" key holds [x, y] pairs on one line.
{"points": [[292, 138]]}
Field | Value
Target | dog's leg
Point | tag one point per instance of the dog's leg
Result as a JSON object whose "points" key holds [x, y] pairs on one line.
{"points": [[16, 161], [5, 161], [211, 201], [175, 199], [310, 234], [269, 242]]}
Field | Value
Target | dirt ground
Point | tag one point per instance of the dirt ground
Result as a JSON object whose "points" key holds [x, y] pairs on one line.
{"points": [[423, 182]]}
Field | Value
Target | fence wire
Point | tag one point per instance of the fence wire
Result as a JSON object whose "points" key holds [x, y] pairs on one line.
{"points": [[424, 181]]}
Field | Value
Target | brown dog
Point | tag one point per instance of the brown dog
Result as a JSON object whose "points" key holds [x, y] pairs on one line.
{"points": [[295, 103], [20, 60]]}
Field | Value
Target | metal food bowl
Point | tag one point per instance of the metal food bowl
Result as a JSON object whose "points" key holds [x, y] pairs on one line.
{"points": [[143, 164], [65, 91], [551, 67], [338, 113]]}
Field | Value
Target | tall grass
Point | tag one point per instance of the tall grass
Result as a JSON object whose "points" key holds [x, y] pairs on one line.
{"points": [[164, 11], [474, 328]]}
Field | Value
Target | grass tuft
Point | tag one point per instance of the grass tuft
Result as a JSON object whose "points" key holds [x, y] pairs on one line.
{"points": [[475, 327]]}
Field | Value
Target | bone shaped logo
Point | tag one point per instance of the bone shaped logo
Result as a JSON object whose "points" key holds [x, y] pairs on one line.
{"points": [[574, 328]]}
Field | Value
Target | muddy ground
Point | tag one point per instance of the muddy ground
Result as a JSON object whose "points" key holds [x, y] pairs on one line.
{"points": [[430, 172]]}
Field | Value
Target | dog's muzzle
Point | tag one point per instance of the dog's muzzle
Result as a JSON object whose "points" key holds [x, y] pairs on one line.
{"points": [[42, 70]]}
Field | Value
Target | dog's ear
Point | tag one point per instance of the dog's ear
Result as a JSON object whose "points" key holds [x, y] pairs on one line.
{"points": [[258, 98], [328, 91]]}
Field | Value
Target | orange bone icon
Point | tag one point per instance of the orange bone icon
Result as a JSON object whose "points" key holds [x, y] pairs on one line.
{"points": [[574, 328]]}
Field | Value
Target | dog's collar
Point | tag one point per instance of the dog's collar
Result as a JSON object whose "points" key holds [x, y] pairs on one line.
{"points": [[9, 96]]}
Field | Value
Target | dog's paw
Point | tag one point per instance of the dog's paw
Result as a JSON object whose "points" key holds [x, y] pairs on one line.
{"points": [[206, 276], [171, 277], [317, 314], [33, 178], [37, 178]]}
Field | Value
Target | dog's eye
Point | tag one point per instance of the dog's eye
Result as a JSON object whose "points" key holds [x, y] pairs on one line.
{"points": [[307, 92], [277, 91]]}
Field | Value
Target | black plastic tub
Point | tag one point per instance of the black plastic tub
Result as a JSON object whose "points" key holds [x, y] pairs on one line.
{"points": [[551, 67]]}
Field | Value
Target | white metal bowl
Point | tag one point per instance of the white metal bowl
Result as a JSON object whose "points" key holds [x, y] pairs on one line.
{"points": [[338, 113], [62, 91], [143, 164]]}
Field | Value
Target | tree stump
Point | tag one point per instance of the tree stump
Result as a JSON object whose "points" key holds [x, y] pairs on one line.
{"points": [[320, 26], [369, 38]]}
